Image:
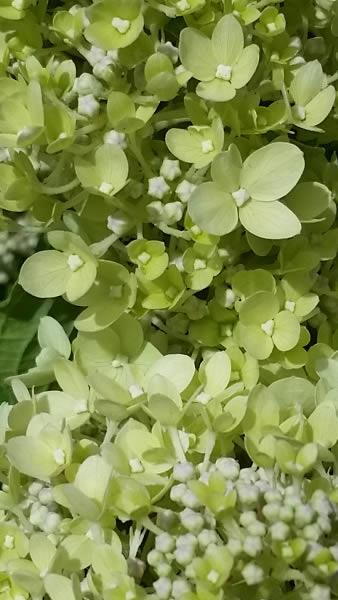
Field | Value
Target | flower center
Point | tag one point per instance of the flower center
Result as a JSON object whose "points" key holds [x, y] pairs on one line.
{"points": [[224, 72], [59, 456], [106, 188], [199, 264], [207, 146], [299, 112], [241, 196], [289, 305], [122, 25], [74, 262], [268, 327], [144, 258]]}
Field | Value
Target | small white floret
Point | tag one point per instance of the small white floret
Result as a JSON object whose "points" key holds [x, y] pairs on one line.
{"points": [[74, 262], [106, 188], [162, 588], [268, 327], [59, 456], [183, 471], [240, 196], [224, 72], [229, 467], [122, 25], [207, 146]]}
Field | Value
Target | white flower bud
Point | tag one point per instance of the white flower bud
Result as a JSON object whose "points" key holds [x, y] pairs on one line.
{"points": [[247, 493], [164, 543], [87, 84], [191, 520], [247, 518], [46, 496], [229, 467], [184, 190], [253, 574], [186, 539], [35, 488], [183, 471], [279, 531], [158, 187], [51, 522], [184, 554], [154, 558], [180, 587], [38, 514], [312, 532], [206, 537], [304, 514], [286, 513], [190, 500], [257, 528], [163, 569], [88, 106], [272, 496], [170, 169], [252, 545], [162, 588], [172, 212], [115, 138], [177, 492], [234, 546], [324, 523]]}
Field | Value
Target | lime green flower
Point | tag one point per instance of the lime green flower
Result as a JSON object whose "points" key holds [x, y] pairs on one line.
{"points": [[115, 24], [249, 192], [312, 97], [222, 64], [69, 269], [198, 144], [262, 325], [22, 112], [271, 23]]}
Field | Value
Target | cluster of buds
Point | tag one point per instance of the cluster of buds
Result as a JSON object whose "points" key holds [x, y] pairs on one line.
{"points": [[233, 526]]}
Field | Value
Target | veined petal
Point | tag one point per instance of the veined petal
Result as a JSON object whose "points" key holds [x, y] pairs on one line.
{"points": [[245, 67], [269, 220], [213, 210], [196, 54], [227, 40], [216, 90], [307, 82]]}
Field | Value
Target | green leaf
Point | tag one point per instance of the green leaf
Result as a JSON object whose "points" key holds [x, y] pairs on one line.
{"points": [[272, 171]]}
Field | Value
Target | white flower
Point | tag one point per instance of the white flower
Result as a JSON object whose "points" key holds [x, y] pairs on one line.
{"points": [[229, 467], [279, 531], [191, 520], [164, 543], [183, 471], [162, 588], [117, 138], [252, 545]]}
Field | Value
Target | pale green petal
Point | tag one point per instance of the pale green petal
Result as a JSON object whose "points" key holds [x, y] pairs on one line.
{"points": [[45, 274], [178, 368], [52, 335], [308, 200], [307, 82], [227, 40], [70, 379], [196, 54], [76, 501], [31, 457], [93, 478], [245, 67], [59, 587], [216, 373], [272, 171], [81, 281], [258, 308], [318, 109], [42, 551], [213, 210], [256, 341], [226, 168], [216, 90], [186, 144], [270, 220], [286, 331]]}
